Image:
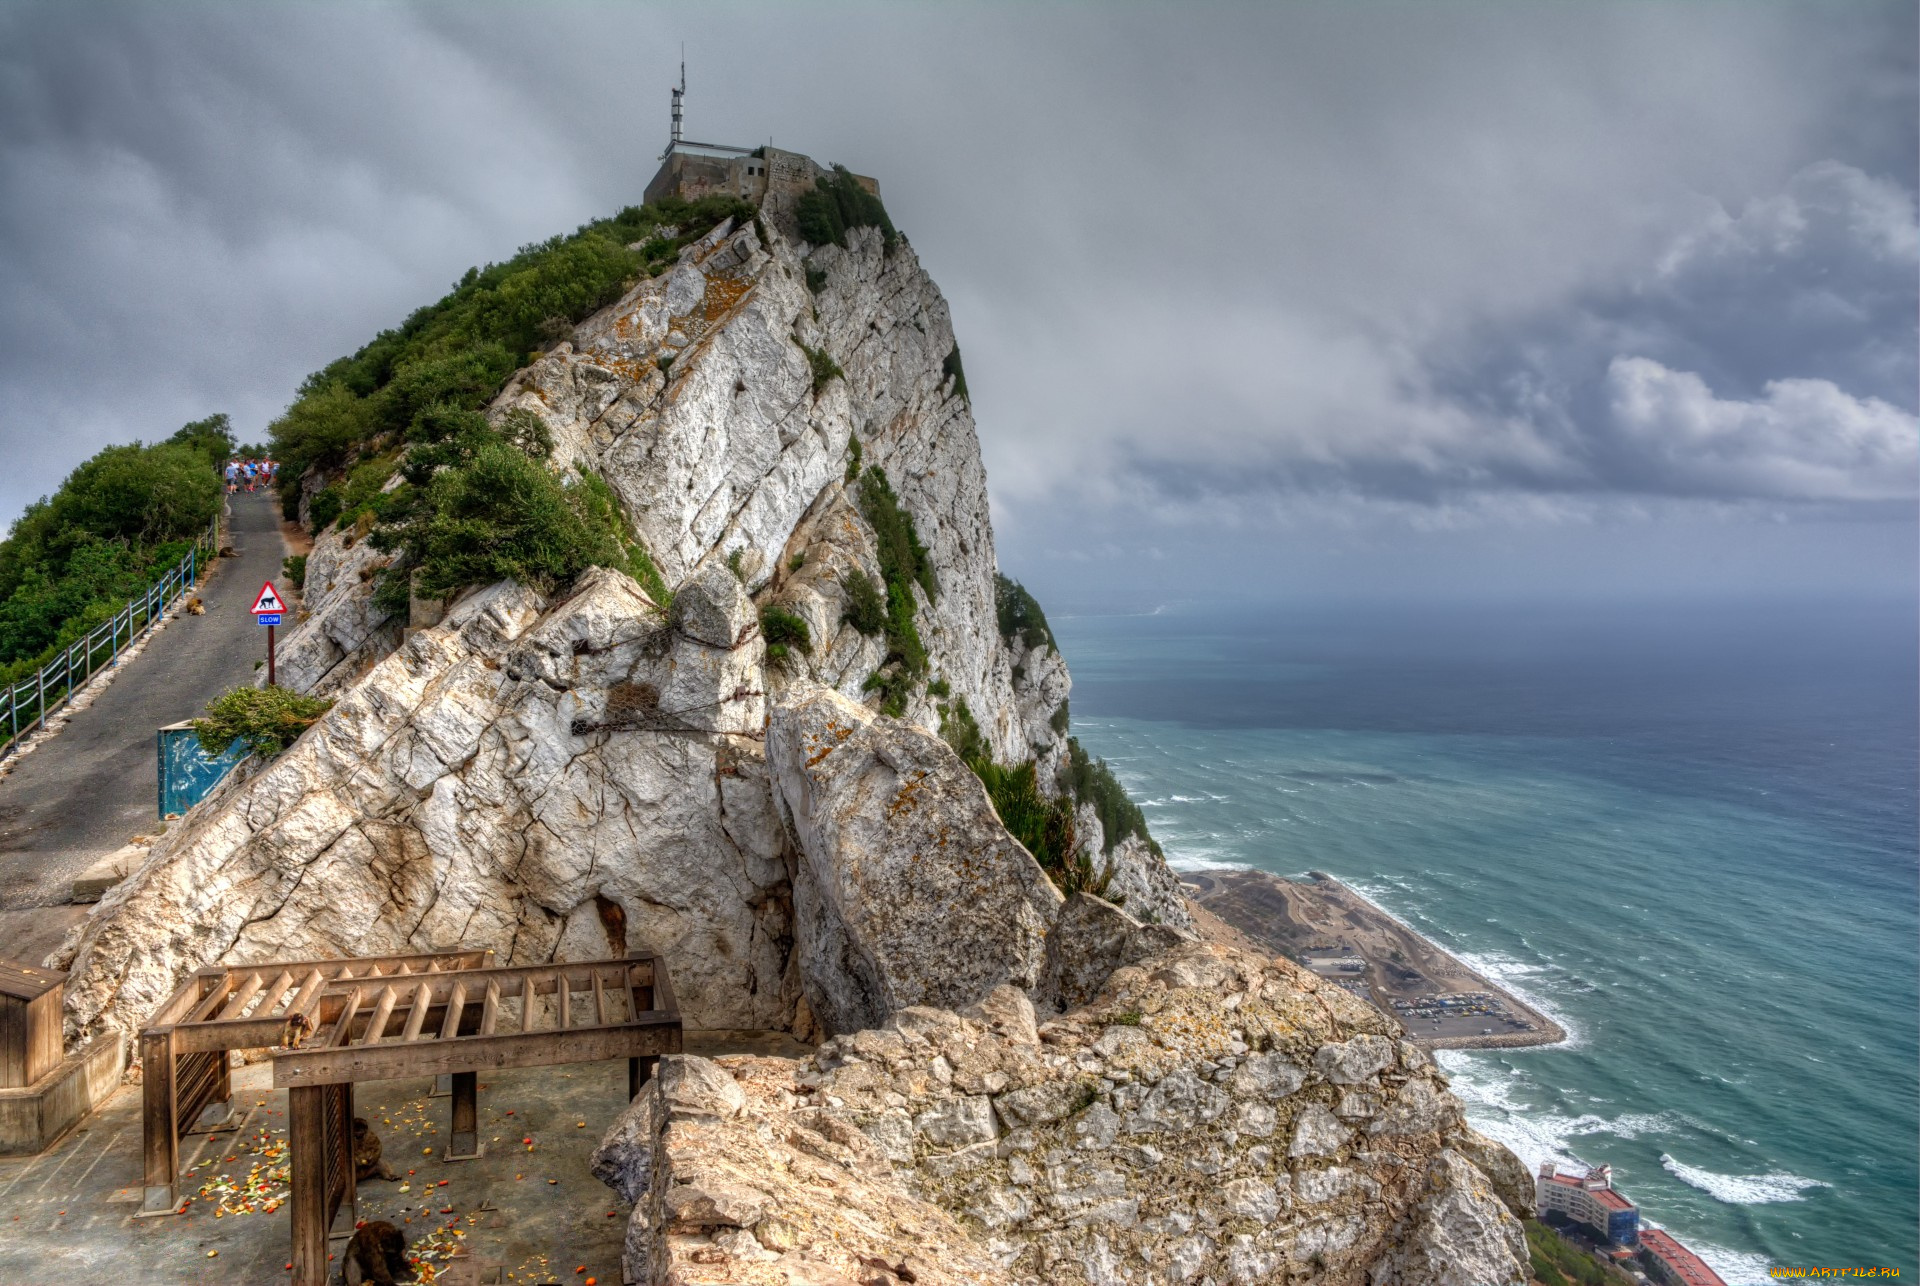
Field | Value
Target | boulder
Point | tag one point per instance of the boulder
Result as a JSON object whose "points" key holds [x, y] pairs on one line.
{"points": [[908, 890]]}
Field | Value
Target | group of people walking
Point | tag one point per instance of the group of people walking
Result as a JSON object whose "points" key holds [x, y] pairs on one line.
{"points": [[250, 474]]}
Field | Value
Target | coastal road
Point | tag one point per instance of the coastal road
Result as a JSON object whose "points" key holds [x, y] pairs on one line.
{"points": [[91, 787]]}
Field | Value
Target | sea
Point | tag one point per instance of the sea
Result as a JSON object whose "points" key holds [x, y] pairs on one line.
{"points": [[1686, 831]]}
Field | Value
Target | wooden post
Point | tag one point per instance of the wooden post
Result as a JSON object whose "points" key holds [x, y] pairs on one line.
{"points": [[160, 1132], [639, 1072], [349, 1180], [307, 1144], [466, 1117], [270, 678]]}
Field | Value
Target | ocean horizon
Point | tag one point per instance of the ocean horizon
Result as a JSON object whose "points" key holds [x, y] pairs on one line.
{"points": [[1684, 831]]}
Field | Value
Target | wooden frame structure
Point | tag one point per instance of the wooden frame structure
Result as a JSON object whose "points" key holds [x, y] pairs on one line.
{"points": [[183, 1048], [457, 1022]]}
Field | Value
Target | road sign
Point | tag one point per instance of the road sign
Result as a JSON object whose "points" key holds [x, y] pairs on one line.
{"points": [[269, 601], [267, 618]]}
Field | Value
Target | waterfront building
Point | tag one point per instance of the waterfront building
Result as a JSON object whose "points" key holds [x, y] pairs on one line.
{"points": [[1672, 1264], [1589, 1201]]}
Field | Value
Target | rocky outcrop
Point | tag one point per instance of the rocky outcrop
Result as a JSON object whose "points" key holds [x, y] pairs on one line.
{"points": [[1209, 1117], [486, 784], [910, 891]]}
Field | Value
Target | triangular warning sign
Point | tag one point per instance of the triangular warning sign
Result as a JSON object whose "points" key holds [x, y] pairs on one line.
{"points": [[269, 600]]}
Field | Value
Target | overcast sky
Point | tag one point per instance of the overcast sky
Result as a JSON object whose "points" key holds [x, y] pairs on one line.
{"points": [[1319, 298]]}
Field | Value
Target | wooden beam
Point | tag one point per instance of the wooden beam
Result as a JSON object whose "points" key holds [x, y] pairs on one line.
{"points": [[276, 991], [490, 1011], [456, 1005], [565, 997], [237, 998], [599, 1001], [382, 1010], [529, 1001], [417, 1017], [472, 1053]]}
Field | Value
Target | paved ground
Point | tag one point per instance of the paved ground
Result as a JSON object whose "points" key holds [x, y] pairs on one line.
{"points": [[534, 1213], [525, 1212], [88, 789]]}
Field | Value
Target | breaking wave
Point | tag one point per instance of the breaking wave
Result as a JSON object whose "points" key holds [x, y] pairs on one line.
{"points": [[1741, 1189]]}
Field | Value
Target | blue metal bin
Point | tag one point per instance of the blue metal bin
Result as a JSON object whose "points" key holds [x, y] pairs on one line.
{"points": [[188, 773]]}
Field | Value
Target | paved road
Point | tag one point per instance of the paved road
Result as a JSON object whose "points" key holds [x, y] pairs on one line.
{"points": [[89, 788]]}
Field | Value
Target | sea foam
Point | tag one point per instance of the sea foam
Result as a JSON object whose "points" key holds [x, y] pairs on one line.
{"points": [[1741, 1189]]}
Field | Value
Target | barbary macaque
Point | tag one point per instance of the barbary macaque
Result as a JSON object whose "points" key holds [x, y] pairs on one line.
{"points": [[377, 1255], [366, 1154]]}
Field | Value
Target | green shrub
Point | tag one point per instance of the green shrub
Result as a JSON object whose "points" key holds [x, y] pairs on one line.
{"points": [[853, 458], [362, 493], [825, 369], [939, 688], [816, 279], [836, 205], [503, 515], [798, 561], [1019, 613], [1060, 719], [959, 729], [952, 369], [267, 719], [736, 563], [866, 610], [1092, 782], [295, 567], [783, 629], [1043, 825]]}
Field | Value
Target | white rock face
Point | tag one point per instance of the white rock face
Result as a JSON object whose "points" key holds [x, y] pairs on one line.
{"points": [[484, 785], [909, 892]]}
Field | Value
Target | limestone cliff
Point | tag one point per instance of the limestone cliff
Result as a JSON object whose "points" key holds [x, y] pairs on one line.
{"points": [[502, 774]]}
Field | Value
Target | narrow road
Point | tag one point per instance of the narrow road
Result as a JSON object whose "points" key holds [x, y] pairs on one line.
{"points": [[92, 786]]}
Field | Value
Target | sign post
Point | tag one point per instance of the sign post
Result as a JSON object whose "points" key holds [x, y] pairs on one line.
{"points": [[266, 611]]}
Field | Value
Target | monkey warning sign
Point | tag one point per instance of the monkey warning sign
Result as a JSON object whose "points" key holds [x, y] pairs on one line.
{"points": [[268, 602]]}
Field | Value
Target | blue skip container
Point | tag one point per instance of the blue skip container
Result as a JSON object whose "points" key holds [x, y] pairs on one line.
{"points": [[188, 773]]}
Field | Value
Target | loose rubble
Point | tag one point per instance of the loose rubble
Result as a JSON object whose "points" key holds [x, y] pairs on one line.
{"points": [[1210, 1117]]}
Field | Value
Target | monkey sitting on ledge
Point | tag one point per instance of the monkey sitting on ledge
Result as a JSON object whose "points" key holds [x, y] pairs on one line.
{"points": [[377, 1256], [366, 1154]]}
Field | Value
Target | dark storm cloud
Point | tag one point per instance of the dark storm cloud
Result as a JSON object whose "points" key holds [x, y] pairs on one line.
{"points": [[1427, 266]]}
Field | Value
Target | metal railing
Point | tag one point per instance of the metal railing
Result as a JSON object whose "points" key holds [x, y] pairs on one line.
{"points": [[25, 705]]}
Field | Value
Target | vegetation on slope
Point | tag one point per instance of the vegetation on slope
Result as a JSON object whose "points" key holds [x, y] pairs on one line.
{"points": [[836, 205], [1558, 1262], [1019, 613], [1044, 824], [903, 564], [478, 503], [119, 522], [1092, 782]]}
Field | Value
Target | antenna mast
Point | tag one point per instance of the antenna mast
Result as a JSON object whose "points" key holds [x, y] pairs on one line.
{"points": [[679, 93]]}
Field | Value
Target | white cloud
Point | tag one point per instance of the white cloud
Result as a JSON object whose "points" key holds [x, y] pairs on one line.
{"points": [[1805, 439]]}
